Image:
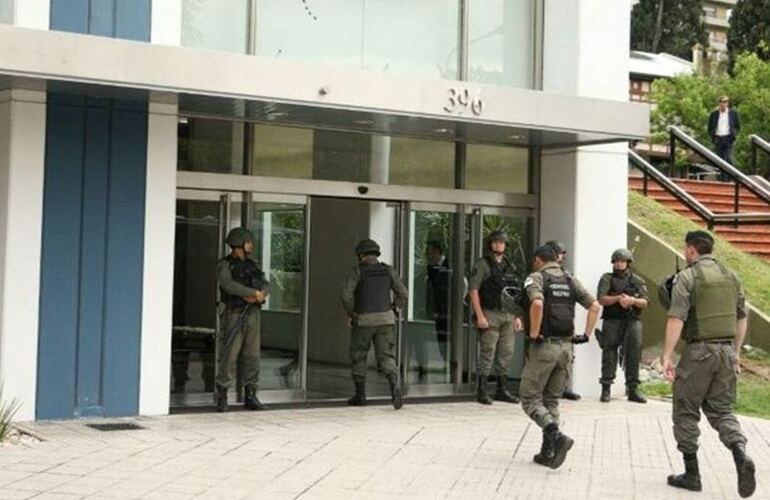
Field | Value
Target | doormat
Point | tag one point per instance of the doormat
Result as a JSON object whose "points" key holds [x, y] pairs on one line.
{"points": [[116, 426]]}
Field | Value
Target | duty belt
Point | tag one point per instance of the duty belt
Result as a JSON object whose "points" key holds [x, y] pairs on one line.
{"points": [[558, 340], [711, 341]]}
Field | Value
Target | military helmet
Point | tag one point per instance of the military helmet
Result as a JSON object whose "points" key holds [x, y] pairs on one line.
{"points": [[511, 297], [367, 246], [557, 246], [622, 254], [664, 290], [497, 235], [238, 237]]}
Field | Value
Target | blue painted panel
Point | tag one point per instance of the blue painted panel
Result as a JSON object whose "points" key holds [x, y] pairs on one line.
{"points": [[124, 262], [60, 266], [102, 18], [92, 251], [69, 15], [132, 19]]}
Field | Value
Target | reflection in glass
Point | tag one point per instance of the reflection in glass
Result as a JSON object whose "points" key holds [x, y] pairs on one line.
{"points": [[195, 294], [6, 11], [360, 34], [428, 326], [497, 168], [501, 42], [283, 152], [279, 249], [215, 24], [210, 146]]}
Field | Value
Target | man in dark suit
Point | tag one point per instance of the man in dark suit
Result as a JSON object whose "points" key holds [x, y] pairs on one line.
{"points": [[724, 125]]}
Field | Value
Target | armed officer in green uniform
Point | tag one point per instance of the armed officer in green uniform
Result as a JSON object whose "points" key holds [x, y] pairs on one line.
{"points": [[552, 295], [708, 309], [561, 256], [243, 290], [496, 326], [371, 295], [623, 295]]}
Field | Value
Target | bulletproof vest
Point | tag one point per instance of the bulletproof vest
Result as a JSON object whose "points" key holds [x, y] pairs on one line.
{"points": [[247, 273], [713, 313], [501, 275], [628, 284], [373, 289], [559, 297]]}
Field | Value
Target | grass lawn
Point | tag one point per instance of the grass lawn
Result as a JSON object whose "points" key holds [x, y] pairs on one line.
{"points": [[753, 385], [671, 228]]}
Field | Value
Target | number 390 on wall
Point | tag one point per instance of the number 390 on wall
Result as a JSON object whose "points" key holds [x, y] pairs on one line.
{"points": [[461, 100]]}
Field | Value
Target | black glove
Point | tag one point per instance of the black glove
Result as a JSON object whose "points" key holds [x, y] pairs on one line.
{"points": [[580, 339]]}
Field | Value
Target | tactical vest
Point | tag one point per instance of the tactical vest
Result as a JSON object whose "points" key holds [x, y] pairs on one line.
{"points": [[559, 297], [501, 275], [619, 285], [713, 313], [372, 293], [438, 277], [247, 273]]}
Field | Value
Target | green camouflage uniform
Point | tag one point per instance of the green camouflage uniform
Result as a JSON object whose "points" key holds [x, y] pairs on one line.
{"points": [[548, 362], [706, 373]]}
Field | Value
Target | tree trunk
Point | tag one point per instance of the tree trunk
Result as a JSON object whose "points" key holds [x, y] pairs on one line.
{"points": [[658, 27]]}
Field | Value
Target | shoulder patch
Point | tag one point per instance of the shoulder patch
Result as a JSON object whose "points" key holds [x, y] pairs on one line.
{"points": [[528, 282]]}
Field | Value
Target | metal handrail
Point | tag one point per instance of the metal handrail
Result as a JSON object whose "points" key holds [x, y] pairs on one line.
{"points": [[739, 177], [709, 217], [757, 143]]}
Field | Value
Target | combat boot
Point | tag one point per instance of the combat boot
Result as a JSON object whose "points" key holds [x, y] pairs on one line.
{"points": [[546, 450], [605, 397], [690, 480], [359, 399], [635, 396], [251, 401], [745, 467], [502, 393], [561, 445], [221, 398], [572, 396], [395, 391], [482, 393]]}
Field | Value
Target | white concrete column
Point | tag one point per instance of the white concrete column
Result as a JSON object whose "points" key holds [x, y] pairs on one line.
{"points": [[22, 167], [32, 14], [583, 190], [158, 285]]}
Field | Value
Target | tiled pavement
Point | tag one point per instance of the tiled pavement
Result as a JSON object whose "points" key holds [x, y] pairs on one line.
{"points": [[449, 450]]}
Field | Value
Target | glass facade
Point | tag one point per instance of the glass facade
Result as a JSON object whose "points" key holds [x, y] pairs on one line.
{"points": [[6, 11], [497, 168], [398, 36], [381, 35], [501, 42]]}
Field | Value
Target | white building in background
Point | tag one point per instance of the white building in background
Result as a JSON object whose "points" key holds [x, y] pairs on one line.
{"points": [[135, 133]]}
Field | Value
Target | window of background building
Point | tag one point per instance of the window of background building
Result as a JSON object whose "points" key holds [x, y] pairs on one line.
{"points": [[501, 37], [401, 36], [497, 168], [216, 24]]}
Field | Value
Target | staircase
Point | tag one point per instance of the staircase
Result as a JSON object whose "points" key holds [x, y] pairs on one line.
{"points": [[719, 197]]}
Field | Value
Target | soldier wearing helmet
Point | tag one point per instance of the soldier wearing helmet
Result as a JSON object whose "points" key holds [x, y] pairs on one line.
{"points": [[371, 294], [490, 277], [243, 289], [623, 294]]}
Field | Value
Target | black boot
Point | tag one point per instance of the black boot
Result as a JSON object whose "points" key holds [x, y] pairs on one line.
{"points": [[395, 391], [546, 450], [745, 467], [572, 396], [634, 395], [251, 401], [690, 480], [605, 397], [359, 399], [221, 398], [482, 393], [561, 445], [502, 393]]}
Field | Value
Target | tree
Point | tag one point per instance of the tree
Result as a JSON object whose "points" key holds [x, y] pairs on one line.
{"points": [[672, 26], [750, 29], [687, 100]]}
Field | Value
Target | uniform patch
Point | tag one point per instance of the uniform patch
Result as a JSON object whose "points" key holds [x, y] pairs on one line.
{"points": [[528, 282], [673, 282]]}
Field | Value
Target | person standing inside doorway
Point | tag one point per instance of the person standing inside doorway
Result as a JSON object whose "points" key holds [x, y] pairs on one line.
{"points": [[243, 290], [371, 295], [490, 276], [723, 128]]}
